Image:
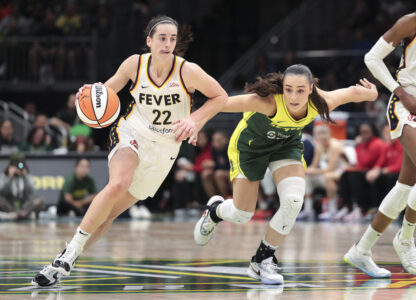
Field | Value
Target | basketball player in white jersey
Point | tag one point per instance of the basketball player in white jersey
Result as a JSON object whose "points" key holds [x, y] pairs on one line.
{"points": [[146, 141], [401, 114]]}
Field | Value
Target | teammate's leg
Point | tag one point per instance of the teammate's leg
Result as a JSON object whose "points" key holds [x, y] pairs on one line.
{"points": [[392, 205], [404, 242]]}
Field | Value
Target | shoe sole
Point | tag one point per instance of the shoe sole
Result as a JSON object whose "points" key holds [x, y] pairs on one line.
{"points": [[362, 270], [251, 273], [394, 246], [197, 228]]}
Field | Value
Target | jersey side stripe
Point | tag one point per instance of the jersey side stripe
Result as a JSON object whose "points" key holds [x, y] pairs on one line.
{"points": [[136, 83]]}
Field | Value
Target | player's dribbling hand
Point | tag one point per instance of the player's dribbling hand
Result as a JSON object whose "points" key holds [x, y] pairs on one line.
{"points": [[81, 89], [371, 89], [184, 128]]}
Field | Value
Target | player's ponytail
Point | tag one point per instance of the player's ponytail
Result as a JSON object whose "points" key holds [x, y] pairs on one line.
{"points": [[272, 83], [185, 35]]}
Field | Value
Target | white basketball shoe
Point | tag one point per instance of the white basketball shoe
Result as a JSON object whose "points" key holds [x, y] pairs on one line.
{"points": [[365, 263], [407, 253], [267, 271], [204, 228]]}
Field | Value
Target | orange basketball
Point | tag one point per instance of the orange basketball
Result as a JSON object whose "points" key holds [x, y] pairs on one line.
{"points": [[98, 106]]}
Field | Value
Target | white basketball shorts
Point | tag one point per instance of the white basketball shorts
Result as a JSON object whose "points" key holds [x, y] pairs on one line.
{"points": [[398, 115], [155, 158]]}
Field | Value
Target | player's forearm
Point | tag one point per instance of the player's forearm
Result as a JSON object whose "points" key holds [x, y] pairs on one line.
{"points": [[210, 108]]}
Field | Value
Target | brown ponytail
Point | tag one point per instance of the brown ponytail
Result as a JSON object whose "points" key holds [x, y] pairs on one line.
{"points": [[272, 83], [185, 35]]}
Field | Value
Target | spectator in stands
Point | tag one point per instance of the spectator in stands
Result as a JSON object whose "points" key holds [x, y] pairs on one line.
{"points": [[66, 117], [15, 23], [42, 121], [78, 191], [384, 174], [37, 141], [328, 163], [204, 165], [46, 57], [353, 183], [221, 163], [82, 144], [183, 188], [8, 144], [17, 191]]}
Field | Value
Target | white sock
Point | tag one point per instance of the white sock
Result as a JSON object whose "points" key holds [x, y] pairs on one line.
{"points": [[407, 230], [333, 205], [269, 245], [368, 240], [79, 239]]}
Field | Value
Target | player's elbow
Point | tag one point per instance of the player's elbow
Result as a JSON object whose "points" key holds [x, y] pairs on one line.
{"points": [[370, 60]]}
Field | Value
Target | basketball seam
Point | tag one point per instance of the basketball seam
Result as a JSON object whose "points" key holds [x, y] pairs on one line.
{"points": [[106, 105], [93, 107]]}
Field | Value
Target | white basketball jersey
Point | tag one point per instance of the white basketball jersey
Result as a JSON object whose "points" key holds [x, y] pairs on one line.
{"points": [[406, 73], [156, 107]]}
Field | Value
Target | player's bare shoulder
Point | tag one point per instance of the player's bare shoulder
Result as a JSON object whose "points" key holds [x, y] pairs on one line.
{"points": [[190, 73], [130, 65]]}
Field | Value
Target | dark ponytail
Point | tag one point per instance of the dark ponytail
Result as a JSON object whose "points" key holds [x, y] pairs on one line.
{"points": [[272, 83], [185, 35]]}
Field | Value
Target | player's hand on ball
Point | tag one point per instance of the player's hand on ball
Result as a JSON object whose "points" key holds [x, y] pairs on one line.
{"points": [[81, 89], [184, 128]]}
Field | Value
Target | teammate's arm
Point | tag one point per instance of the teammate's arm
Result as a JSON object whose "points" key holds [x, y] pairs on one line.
{"points": [[197, 79], [405, 27], [365, 91], [252, 103]]}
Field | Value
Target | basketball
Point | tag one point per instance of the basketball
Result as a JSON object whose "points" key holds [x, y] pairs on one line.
{"points": [[98, 106]]}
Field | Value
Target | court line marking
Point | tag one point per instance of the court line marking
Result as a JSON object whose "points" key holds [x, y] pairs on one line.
{"points": [[93, 279], [126, 273], [210, 262], [165, 272]]}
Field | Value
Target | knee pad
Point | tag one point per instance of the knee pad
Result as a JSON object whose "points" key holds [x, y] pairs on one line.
{"points": [[396, 200], [412, 198], [230, 213], [291, 191]]}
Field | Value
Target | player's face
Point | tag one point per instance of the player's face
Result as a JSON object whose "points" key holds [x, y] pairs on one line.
{"points": [[163, 41], [296, 90]]}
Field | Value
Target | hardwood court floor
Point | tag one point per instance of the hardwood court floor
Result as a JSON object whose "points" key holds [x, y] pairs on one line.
{"points": [[159, 260]]}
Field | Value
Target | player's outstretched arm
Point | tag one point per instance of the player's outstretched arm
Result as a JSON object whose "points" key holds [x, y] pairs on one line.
{"points": [[251, 103], [365, 91], [405, 27], [196, 78]]}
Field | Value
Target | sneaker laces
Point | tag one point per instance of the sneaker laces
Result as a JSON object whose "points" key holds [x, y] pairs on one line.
{"points": [[69, 255], [271, 264], [48, 270]]}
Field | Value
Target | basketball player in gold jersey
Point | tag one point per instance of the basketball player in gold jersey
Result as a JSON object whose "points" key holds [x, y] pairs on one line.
{"points": [[401, 114], [146, 141], [269, 136]]}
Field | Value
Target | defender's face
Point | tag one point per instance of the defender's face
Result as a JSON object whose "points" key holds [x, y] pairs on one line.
{"points": [[163, 41], [296, 91]]}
